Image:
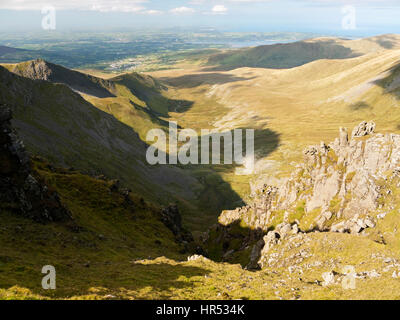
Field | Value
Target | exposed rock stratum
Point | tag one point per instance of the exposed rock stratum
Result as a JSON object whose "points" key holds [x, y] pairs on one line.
{"points": [[344, 186], [20, 191]]}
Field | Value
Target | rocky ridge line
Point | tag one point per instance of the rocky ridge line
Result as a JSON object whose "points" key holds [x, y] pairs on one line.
{"points": [[20, 191], [341, 187]]}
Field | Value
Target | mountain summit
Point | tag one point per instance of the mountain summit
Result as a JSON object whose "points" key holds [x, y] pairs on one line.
{"points": [[42, 70]]}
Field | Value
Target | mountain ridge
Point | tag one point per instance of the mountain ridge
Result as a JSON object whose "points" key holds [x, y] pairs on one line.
{"points": [[290, 55], [42, 70], [304, 223]]}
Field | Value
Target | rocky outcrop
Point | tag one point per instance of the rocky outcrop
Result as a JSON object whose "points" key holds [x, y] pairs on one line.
{"points": [[340, 184], [20, 191], [172, 219], [341, 187]]}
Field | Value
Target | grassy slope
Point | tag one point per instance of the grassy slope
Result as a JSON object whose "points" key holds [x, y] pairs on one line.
{"points": [[60, 125], [94, 141], [198, 99], [311, 111], [291, 108], [280, 56], [111, 251], [95, 250]]}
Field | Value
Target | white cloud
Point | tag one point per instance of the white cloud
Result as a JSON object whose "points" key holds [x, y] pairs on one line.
{"points": [[219, 9], [153, 12], [196, 2], [138, 5], [182, 10], [95, 5]]}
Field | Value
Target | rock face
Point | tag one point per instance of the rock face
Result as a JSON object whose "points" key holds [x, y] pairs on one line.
{"points": [[19, 191], [171, 218], [37, 69], [340, 187]]}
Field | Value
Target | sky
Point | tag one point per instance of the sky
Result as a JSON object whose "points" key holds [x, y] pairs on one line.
{"points": [[340, 17]]}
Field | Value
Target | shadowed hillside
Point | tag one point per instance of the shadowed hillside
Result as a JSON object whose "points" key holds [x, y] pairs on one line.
{"points": [[43, 70], [106, 135], [280, 56], [305, 214], [59, 124], [302, 105]]}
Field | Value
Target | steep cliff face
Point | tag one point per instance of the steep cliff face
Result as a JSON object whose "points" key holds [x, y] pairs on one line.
{"points": [[344, 187], [19, 190]]}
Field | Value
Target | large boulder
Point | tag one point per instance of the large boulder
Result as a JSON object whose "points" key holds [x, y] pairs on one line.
{"points": [[20, 191], [363, 129]]}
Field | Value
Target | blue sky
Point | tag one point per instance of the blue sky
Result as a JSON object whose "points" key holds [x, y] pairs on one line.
{"points": [[320, 16]]}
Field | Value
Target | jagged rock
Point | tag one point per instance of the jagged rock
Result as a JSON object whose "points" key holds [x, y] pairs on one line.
{"points": [[343, 137], [37, 69], [171, 218], [197, 257], [322, 220], [255, 255], [339, 186], [320, 224], [115, 185], [369, 222], [329, 175], [5, 115], [20, 191], [229, 216], [363, 129], [311, 155], [339, 227], [284, 230], [329, 279], [295, 229], [369, 274], [270, 240], [355, 228]]}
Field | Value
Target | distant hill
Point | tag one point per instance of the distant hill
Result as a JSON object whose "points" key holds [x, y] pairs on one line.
{"points": [[7, 50], [15, 55], [12, 55], [290, 55]]}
